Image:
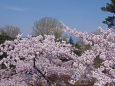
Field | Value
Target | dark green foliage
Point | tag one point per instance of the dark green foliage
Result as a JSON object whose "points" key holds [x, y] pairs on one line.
{"points": [[12, 66], [78, 52], [113, 67], [3, 46], [110, 7], [15, 60], [13, 72], [78, 46], [22, 58], [97, 62], [71, 41], [64, 59], [3, 66], [109, 21], [81, 49], [4, 37], [104, 71], [4, 55]]}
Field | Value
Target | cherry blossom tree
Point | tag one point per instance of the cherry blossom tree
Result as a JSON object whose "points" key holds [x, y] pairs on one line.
{"points": [[102, 52], [25, 61], [36, 57]]}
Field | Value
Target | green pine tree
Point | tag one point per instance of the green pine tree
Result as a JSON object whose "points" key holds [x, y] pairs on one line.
{"points": [[71, 40], [110, 20]]}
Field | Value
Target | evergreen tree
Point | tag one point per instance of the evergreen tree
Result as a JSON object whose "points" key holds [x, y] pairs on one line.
{"points": [[110, 20], [71, 40]]}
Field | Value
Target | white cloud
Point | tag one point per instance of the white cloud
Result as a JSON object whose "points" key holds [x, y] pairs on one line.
{"points": [[16, 9]]}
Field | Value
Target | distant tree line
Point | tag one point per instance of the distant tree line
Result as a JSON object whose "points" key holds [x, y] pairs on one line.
{"points": [[8, 32], [44, 26]]}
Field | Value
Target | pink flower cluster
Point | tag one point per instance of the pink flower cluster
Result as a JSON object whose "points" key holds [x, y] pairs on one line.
{"points": [[102, 46], [26, 60], [48, 55]]}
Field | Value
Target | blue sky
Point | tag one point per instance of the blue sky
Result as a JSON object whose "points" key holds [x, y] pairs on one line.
{"points": [[85, 15]]}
